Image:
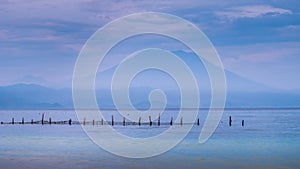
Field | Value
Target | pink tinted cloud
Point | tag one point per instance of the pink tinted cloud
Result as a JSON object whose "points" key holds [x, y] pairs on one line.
{"points": [[259, 53], [3, 33], [37, 38], [273, 64], [251, 11]]}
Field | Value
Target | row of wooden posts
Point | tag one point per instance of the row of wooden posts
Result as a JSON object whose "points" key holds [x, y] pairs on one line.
{"points": [[230, 122], [70, 122]]}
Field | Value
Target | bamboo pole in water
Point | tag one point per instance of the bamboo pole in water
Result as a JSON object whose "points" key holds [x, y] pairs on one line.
{"points": [[150, 121], [140, 121], [158, 121], [181, 121], [43, 115]]}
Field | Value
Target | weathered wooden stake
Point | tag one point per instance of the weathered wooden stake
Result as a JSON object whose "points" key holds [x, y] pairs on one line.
{"points": [[150, 121], [171, 122], [198, 122], [124, 122], [230, 121], [158, 121], [43, 115], [84, 119], [22, 120], [70, 122], [112, 120], [13, 121], [140, 121], [243, 123]]}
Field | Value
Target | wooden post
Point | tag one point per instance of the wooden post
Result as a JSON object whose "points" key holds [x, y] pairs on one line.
{"points": [[181, 121], [171, 122], [43, 115], [124, 121], [198, 122], [112, 120], [22, 120], [140, 121], [70, 122], [102, 122], [93, 122], [13, 121], [50, 120], [243, 123], [150, 121], [158, 122], [84, 119], [31, 121], [230, 121]]}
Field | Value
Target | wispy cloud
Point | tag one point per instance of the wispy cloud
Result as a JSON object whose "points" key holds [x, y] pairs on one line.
{"points": [[260, 53], [75, 47], [251, 11], [275, 64], [36, 38], [3, 34]]}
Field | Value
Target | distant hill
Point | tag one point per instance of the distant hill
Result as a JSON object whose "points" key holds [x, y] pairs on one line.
{"points": [[30, 96], [241, 92]]}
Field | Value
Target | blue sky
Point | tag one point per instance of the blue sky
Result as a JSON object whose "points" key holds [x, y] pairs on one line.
{"points": [[258, 40]]}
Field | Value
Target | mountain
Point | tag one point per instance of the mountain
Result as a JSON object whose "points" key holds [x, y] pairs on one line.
{"points": [[31, 96], [241, 92]]}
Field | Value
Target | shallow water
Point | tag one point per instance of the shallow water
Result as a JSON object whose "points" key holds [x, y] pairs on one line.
{"points": [[269, 139]]}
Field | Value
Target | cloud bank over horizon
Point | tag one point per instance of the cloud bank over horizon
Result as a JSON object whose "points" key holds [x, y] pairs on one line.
{"points": [[257, 40]]}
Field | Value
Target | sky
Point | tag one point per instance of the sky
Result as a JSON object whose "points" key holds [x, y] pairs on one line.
{"points": [[41, 40]]}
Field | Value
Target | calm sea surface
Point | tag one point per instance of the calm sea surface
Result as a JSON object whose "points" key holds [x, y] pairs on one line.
{"points": [[269, 139]]}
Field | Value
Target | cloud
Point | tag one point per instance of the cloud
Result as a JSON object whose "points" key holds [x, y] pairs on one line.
{"points": [[260, 53], [274, 64], [31, 79], [38, 38], [251, 11], [74, 47], [3, 34]]}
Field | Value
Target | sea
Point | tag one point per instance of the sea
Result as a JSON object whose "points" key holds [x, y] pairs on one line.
{"points": [[270, 138]]}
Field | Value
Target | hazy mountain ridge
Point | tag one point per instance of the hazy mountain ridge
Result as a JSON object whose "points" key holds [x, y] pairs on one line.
{"points": [[241, 92], [31, 96]]}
